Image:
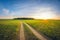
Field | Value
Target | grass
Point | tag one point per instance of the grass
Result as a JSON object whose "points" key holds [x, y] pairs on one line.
{"points": [[9, 29], [28, 34], [50, 28]]}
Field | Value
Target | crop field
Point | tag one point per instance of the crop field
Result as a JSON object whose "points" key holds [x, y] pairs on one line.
{"points": [[50, 28], [9, 29]]}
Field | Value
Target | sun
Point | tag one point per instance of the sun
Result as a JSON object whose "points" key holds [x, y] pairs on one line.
{"points": [[44, 14]]}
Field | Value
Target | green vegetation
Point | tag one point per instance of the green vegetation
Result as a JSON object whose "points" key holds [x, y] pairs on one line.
{"points": [[28, 34], [50, 28], [9, 29]]}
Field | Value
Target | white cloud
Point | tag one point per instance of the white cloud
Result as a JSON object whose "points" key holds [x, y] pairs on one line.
{"points": [[5, 11]]}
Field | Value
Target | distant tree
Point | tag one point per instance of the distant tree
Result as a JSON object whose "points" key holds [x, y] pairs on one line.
{"points": [[24, 18]]}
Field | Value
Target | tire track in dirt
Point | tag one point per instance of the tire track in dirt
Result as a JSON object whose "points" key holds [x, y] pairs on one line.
{"points": [[38, 35], [22, 36]]}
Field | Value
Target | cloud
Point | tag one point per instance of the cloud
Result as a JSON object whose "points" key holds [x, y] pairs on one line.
{"points": [[5, 11]]}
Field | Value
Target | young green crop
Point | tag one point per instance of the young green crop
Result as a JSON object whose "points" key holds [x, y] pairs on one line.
{"points": [[50, 28], [9, 29]]}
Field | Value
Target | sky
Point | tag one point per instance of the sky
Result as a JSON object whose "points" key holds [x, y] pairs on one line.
{"points": [[29, 8]]}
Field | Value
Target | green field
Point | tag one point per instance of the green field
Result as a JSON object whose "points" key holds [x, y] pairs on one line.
{"points": [[9, 29], [50, 28]]}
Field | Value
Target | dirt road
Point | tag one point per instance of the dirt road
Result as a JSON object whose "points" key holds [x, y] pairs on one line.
{"points": [[38, 35], [22, 36]]}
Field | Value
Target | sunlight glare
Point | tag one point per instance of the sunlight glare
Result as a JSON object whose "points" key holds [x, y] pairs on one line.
{"points": [[45, 13]]}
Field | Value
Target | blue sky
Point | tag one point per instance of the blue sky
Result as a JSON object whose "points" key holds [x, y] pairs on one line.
{"points": [[28, 8]]}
